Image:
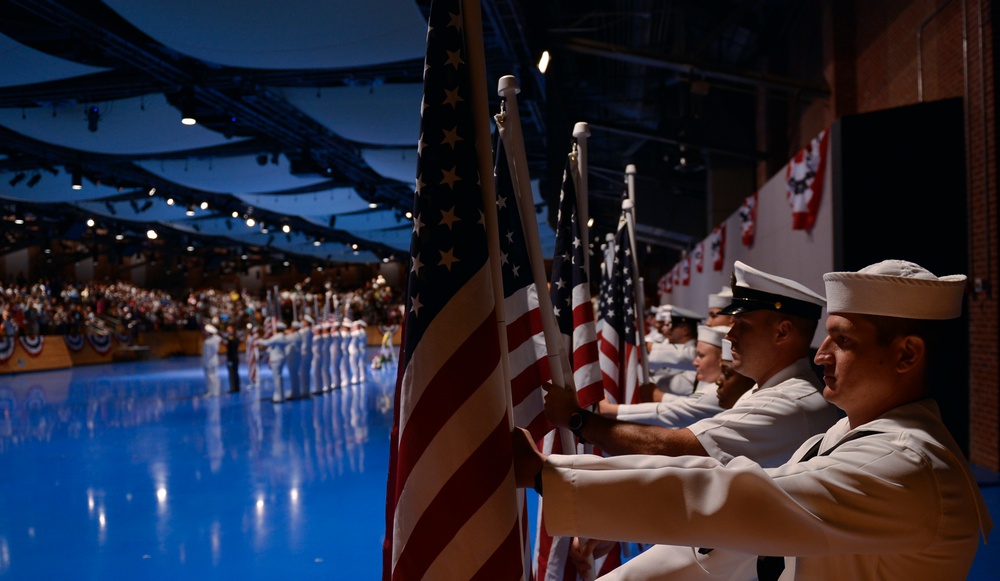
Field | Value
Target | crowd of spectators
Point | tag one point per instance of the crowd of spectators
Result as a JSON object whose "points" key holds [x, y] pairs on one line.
{"points": [[73, 308]]}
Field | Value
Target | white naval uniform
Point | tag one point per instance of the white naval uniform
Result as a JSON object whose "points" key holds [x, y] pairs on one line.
{"points": [[210, 362], [293, 359], [306, 365], [354, 355], [276, 361], [676, 411], [334, 359], [345, 358], [897, 504], [318, 347], [671, 367]]}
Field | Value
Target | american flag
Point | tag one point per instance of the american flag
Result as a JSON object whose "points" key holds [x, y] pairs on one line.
{"points": [[252, 357], [718, 244], [451, 505], [570, 293], [619, 357], [528, 363], [748, 219]]}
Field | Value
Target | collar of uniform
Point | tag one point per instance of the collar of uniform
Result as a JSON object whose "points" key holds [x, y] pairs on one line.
{"points": [[800, 369]]}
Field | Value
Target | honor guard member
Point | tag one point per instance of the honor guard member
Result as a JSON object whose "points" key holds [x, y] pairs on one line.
{"points": [[671, 363], [655, 333], [306, 365], [731, 385], [716, 303], [293, 358], [886, 493], [210, 359], [354, 351], [275, 345], [345, 352], [321, 357], [334, 356], [681, 412], [361, 334]]}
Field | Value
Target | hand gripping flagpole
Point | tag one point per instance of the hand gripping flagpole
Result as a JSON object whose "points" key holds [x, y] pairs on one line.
{"points": [[581, 131], [640, 299]]}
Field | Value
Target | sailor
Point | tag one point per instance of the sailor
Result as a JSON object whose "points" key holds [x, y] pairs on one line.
{"points": [[210, 359]]}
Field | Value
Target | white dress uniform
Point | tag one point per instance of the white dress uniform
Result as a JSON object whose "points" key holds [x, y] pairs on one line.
{"points": [[345, 357], [210, 362], [293, 360], [677, 411], [898, 502], [306, 365], [321, 356], [276, 361], [353, 354], [671, 367], [334, 358], [360, 367], [768, 423]]}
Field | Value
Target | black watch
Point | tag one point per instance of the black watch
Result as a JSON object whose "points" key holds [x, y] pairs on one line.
{"points": [[576, 422]]}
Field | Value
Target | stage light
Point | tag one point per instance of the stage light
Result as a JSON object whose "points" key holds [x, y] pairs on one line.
{"points": [[187, 112], [543, 62], [286, 228], [18, 221], [372, 205], [250, 222], [386, 259], [152, 191], [590, 222], [170, 201], [17, 179], [236, 214], [151, 234], [409, 215], [90, 222], [354, 246], [34, 180], [190, 210], [93, 116], [190, 248], [204, 205], [317, 242], [119, 237], [77, 181]]}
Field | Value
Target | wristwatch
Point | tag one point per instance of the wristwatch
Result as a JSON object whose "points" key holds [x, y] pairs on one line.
{"points": [[576, 422]]}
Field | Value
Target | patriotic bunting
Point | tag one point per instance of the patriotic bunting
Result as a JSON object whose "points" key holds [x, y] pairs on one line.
{"points": [[33, 345], [804, 182], [717, 242], [748, 217]]}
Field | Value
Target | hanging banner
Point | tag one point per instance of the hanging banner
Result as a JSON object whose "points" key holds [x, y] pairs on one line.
{"points": [[74, 342], [100, 343], [33, 345], [804, 181]]}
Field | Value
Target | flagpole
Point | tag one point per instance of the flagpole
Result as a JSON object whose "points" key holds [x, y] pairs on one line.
{"points": [[640, 298], [581, 131]]}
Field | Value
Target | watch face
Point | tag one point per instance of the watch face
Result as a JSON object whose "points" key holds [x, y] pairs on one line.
{"points": [[575, 421]]}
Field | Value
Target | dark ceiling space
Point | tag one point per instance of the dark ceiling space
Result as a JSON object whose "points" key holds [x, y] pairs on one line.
{"points": [[677, 88]]}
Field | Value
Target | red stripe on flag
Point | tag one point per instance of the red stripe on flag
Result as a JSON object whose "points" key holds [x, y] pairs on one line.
{"points": [[525, 327]]}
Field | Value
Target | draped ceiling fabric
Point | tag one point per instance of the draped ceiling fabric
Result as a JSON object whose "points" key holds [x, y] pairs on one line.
{"points": [[382, 119]]}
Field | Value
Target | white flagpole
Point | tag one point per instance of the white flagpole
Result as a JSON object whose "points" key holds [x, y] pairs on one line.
{"points": [[510, 133], [640, 298], [582, 131]]}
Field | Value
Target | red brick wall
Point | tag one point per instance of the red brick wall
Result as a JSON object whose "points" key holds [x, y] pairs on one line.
{"points": [[872, 63]]}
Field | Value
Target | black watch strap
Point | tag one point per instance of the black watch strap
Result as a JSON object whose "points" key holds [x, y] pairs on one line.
{"points": [[577, 420]]}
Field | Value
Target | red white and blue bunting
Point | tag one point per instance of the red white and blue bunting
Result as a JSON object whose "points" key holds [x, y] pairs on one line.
{"points": [[33, 345], [6, 347], [124, 338], [100, 343], [74, 342]]}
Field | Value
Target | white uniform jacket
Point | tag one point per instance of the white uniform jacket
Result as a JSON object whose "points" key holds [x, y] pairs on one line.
{"points": [[899, 503], [675, 412], [769, 422], [678, 357]]}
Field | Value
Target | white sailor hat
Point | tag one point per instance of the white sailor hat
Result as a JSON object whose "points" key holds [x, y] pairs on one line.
{"points": [[281, 326], [720, 300], [663, 313], [677, 315], [727, 350], [896, 288], [754, 290], [308, 319], [346, 322], [296, 325], [210, 328], [712, 335]]}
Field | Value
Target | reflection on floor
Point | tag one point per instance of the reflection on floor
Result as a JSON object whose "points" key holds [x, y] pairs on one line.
{"points": [[128, 471]]}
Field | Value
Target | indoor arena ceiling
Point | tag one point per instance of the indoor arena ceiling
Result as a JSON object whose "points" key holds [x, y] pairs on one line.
{"points": [[308, 115]]}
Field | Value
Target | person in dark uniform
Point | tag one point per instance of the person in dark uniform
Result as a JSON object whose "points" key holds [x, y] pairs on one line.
{"points": [[233, 340]]}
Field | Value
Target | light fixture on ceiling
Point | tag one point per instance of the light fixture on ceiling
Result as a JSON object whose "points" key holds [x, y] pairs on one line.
{"points": [[19, 221], [190, 248], [409, 215], [317, 242], [170, 201], [372, 205], [188, 110], [152, 191], [190, 210], [77, 181], [286, 228], [354, 246], [33, 180], [236, 214], [250, 222], [386, 259], [543, 62], [263, 228], [119, 237], [590, 222], [90, 222], [17, 179], [151, 234], [93, 116], [204, 205]]}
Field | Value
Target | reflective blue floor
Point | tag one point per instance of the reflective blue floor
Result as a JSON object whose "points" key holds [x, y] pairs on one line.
{"points": [[127, 471]]}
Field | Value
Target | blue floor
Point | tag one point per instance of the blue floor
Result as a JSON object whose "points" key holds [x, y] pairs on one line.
{"points": [[127, 471]]}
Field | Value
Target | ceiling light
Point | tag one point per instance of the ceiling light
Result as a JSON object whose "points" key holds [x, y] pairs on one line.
{"points": [[151, 234], [190, 210], [18, 221], [17, 179], [590, 222], [409, 215], [90, 222], [204, 205], [187, 111], [236, 214], [250, 222], [93, 116], [190, 248], [386, 259], [317, 242], [286, 228], [119, 237], [543, 62], [170, 201], [152, 191], [354, 246], [372, 205], [34, 180], [77, 181]]}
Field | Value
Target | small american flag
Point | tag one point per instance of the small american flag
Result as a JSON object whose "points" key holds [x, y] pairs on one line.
{"points": [[451, 505], [619, 357], [252, 357]]}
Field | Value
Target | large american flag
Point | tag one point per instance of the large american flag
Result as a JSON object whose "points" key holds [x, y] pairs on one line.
{"points": [[617, 338], [574, 311], [253, 357], [528, 363], [452, 509]]}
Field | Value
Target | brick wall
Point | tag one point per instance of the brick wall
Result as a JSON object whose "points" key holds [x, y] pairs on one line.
{"points": [[876, 61]]}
